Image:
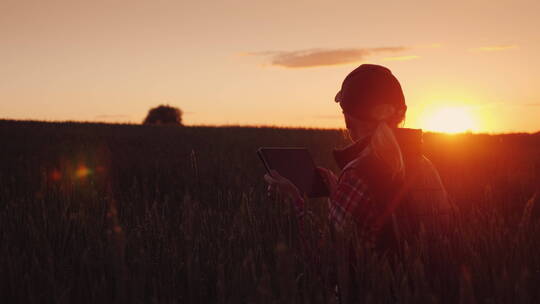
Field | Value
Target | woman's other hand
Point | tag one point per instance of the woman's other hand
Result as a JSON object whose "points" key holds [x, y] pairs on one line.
{"points": [[278, 183], [329, 178]]}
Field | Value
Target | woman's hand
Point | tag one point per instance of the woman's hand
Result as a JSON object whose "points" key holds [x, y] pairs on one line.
{"points": [[280, 184], [329, 178]]}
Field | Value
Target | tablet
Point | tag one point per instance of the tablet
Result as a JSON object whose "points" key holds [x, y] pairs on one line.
{"points": [[296, 165]]}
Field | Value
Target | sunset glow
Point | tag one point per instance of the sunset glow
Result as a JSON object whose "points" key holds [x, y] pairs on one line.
{"points": [[266, 63], [450, 120]]}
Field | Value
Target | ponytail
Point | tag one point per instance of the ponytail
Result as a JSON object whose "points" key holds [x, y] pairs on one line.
{"points": [[385, 146], [383, 141]]}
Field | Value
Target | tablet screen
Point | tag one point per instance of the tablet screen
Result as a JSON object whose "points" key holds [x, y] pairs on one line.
{"points": [[296, 165]]}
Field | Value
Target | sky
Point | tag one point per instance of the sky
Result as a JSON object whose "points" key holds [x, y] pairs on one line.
{"points": [[463, 64]]}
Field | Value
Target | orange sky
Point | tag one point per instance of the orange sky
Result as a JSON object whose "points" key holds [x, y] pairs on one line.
{"points": [[272, 62]]}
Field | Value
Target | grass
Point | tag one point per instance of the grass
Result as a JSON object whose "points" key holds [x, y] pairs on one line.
{"points": [[139, 214]]}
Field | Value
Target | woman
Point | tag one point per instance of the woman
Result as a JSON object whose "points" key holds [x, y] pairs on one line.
{"points": [[386, 189]]}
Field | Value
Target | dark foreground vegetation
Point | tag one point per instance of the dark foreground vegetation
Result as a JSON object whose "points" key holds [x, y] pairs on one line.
{"points": [[94, 213]]}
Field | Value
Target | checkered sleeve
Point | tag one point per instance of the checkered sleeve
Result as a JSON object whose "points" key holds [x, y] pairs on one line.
{"points": [[350, 200], [298, 205]]}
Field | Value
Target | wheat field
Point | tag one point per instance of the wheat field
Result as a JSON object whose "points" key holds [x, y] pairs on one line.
{"points": [[97, 213]]}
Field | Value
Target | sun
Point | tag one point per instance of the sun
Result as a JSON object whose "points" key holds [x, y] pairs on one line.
{"points": [[450, 120]]}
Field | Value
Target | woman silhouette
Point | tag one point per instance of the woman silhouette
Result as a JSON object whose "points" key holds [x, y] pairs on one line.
{"points": [[386, 188]]}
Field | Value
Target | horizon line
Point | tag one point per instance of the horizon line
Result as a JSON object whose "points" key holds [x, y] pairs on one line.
{"points": [[262, 126]]}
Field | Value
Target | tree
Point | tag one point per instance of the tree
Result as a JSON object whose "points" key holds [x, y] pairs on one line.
{"points": [[164, 115]]}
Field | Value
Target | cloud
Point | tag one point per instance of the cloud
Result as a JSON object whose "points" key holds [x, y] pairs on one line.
{"points": [[494, 48], [401, 58], [429, 46], [323, 57]]}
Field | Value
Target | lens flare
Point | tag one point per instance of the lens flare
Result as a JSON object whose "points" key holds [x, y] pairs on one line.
{"points": [[82, 172], [56, 175]]}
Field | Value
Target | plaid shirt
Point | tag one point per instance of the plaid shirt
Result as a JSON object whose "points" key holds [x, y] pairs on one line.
{"points": [[350, 200]]}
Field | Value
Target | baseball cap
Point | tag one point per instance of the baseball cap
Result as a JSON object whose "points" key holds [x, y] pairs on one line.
{"points": [[367, 86]]}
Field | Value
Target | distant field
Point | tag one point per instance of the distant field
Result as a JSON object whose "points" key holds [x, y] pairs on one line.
{"points": [[93, 213]]}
